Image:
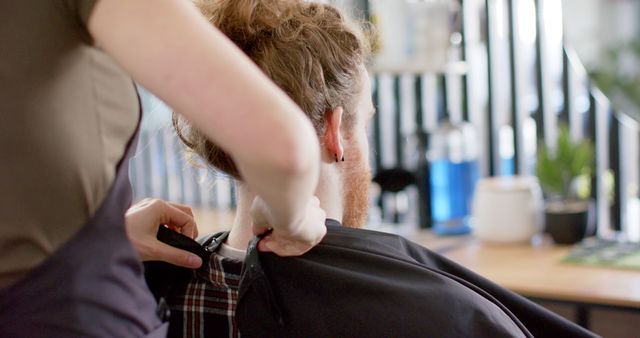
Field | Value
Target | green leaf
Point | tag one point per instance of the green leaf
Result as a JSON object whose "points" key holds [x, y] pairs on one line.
{"points": [[564, 158], [549, 174], [583, 157], [557, 174]]}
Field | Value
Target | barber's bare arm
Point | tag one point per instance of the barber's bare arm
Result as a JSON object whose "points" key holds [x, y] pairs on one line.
{"points": [[168, 47]]}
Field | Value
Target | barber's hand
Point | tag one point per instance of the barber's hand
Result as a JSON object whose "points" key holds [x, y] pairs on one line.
{"points": [[290, 239], [142, 222]]}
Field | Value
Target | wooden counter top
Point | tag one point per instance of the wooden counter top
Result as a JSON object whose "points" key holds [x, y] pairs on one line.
{"points": [[537, 271]]}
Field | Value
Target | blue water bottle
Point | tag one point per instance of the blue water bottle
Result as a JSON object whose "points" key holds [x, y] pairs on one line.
{"points": [[453, 164]]}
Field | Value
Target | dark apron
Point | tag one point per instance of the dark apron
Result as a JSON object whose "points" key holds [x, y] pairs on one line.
{"points": [[92, 286]]}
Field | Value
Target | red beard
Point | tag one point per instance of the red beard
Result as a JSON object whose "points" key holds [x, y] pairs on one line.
{"points": [[356, 196]]}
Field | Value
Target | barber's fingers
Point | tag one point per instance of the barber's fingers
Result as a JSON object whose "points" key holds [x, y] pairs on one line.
{"points": [[298, 238], [189, 229], [314, 202], [142, 221], [184, 208], [169, 254], [176, 217]]}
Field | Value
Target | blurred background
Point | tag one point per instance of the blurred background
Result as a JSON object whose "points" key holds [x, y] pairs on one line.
{"points": [[469, 89], [510, 121]]}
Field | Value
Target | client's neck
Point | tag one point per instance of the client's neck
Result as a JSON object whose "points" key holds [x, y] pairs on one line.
{"points": [[241, 232], [329, 193]]}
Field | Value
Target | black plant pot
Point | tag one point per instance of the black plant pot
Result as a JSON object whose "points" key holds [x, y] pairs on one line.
{"points": [[569, 222]]}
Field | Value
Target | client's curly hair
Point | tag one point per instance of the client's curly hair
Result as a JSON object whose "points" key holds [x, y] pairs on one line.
{"points": [[310, 50]]}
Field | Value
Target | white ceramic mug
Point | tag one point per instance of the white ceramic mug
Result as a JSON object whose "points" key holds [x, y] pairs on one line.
{"points": [[507, 209]]}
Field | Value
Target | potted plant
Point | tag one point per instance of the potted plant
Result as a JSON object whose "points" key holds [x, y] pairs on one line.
{"points": [[565, 177]]}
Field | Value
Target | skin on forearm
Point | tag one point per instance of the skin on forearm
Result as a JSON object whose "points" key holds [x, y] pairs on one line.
{"points": [[287, 197], [168, 47]]}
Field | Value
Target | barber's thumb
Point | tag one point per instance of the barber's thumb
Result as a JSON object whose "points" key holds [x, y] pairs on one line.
{"points": [[178, 257]]}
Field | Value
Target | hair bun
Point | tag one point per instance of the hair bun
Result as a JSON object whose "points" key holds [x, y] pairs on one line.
{"points": [[247, 21], [307, 49]]}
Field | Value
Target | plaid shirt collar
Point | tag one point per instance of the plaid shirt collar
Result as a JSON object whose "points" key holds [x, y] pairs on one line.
{"points": [[205, 304]]}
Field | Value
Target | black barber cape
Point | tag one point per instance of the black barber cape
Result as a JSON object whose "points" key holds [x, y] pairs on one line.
{"points": [[362, 283]]}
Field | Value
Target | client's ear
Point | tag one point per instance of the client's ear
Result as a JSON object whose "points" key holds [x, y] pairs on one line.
{"points": [[332, 140]]}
